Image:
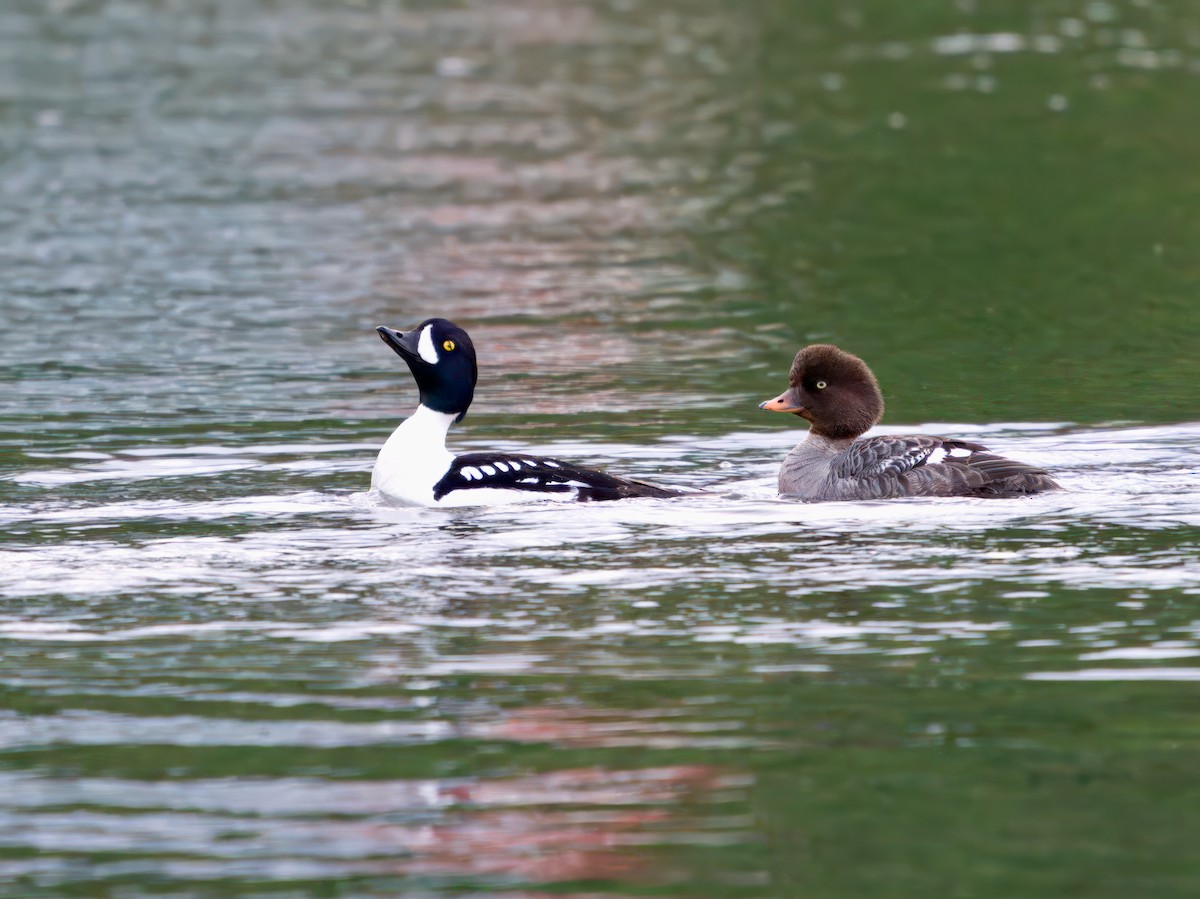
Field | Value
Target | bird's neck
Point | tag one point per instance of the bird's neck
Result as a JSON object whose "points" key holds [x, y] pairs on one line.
{"points": [[425, 427], [818, 441]]}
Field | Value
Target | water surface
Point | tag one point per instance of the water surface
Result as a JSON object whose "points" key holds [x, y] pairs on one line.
{"points": [[226, 669]]}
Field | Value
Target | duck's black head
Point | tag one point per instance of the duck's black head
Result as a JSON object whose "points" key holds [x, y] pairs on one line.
{"points": [[832, 389], [441, 358]]}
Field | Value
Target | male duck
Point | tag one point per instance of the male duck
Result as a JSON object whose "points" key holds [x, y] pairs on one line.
{"points": [[414, 466]]}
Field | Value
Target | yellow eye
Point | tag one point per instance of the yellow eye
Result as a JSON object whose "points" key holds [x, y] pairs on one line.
{"points": [[821, 385], [447, 345]]}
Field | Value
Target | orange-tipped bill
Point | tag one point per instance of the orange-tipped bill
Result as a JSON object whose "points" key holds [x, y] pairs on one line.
{"points": [[785, 402]]}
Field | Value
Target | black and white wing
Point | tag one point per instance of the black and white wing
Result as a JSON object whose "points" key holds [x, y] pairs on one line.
{"points": [[878, 457], [534, 474]]}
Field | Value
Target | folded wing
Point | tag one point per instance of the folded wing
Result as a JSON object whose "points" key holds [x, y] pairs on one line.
{"points": [[929, 466], [534, 474], [882, 456]]}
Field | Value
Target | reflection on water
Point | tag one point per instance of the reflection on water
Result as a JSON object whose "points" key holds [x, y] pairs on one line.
{"points": [[277, 183], [581, 824], [227, 670]]}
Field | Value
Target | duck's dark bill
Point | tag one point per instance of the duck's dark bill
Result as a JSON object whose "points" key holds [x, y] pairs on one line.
{"points": [[404, 344]]}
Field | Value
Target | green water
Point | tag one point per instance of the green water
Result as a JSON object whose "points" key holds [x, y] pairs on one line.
{"points": [[226, 670]]}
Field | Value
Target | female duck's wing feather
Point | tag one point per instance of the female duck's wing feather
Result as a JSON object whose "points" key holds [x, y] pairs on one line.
{"points": [[533, 474], [881, 456], [924, 466], [1006, 477]]}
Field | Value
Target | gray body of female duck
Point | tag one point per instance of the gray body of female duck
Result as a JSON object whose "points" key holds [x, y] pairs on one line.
{"points": [[837, 393]]}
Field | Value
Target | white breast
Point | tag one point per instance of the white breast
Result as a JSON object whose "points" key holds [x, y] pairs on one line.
{"points": [[414, 458]]}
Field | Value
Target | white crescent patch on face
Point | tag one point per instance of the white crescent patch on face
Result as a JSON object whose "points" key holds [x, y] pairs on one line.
{"points": [[425, 346]]}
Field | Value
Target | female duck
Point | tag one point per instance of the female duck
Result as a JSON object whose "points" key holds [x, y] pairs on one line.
{"points": [[837, 393]]}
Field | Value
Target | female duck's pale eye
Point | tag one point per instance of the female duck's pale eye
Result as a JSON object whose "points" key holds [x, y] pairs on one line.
{"points": [[447, 345], [821, 385]]}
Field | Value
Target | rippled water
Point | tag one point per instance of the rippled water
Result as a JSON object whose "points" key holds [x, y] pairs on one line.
{"points": [[227, 670], [304, 685]]}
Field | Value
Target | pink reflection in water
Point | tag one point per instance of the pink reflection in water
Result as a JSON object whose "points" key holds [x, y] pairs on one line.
{"points": [[556, 826]]}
